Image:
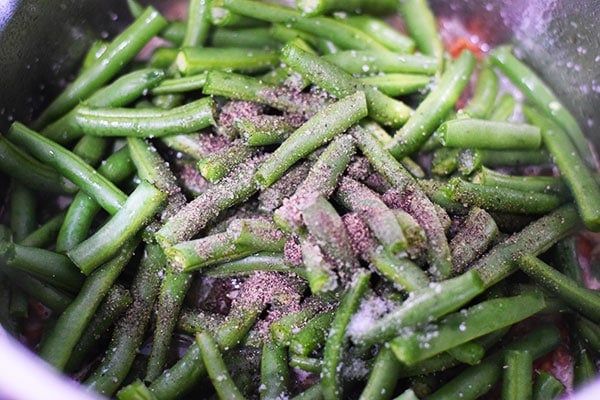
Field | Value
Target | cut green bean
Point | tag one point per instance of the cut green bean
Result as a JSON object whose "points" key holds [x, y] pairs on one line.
{"points": [[516, 377], [397, 84], [121, 92], [242, 238], [216, 368], [434, 108], [69, 165], [322, 179], [341, 34], [547, 387], [320, 272], [217, 165], [479, 379], [235, 188], [121, 50], [482, 102], [197, 24], [418, 204], [320, 129], [331, 381], [336, 81], [180, 85], [534, 239], [504, 108], [400, 271], [368, 62], [23, 211], [473, 238], [491, 135], [187, 118], [136, 212], [312, 335], [577, 175], [465, 325], [493, 198], [28, 171], [55, 299], [422, 26], [254, 37], [129, 331], [584, 300], [62, 338], [194, 60], [422, 305], [251, 264], [45, 234], [274, 371], [389, 36], [52, 268], [538, 93], [265, 130], [384, 376], [543, 184], [320, 7]]}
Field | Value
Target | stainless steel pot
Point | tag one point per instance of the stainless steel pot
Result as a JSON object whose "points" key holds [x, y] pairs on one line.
{"points": [[41, 43]]}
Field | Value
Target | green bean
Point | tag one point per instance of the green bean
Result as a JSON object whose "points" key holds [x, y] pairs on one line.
{"points": [[380, 219], [283, 329], [250, 264], [121, 92], [173, 289], [312, 335], [242, 238], [322, 179], [434, 108], [400, 271], [50, 267], [320, 7], [534, 239], [23, 205], [70, 166], [180, 85], [547, 387], [567, 259], [584, 300], [465, 325], [319, 271], [481, 104], [264, 130], [384, 376], [419, 205], [194, 60], [274, 196], [187, 118], [121, 50], [503, 108], [577, 176], [128, 334], [83, 208], [492, 135], [422, 27], [197, 24], [163, 57], [473, 238], [254, 37], [217, 165], [28, 171], [152, 168], [368, 62], [494, 198], [415, 234], [331, 381], [491, 158], [478, 379], [424, 304], [45, 234], [53, 298], [584, 366], [516, 377], [216, 368], [62, 338], [91, 149], [341, 34], [397, 84], [336, 81], [140, 207], [538, 93], [543, 184], [304, 363], [95, 52], [233, 189], [381, 31], [113, 305], [274, 371], [327, 228], [469, 353], [320, 129]]}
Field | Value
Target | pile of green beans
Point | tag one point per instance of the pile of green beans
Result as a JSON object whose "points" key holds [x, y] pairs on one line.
{"points": [[293, 203]]}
